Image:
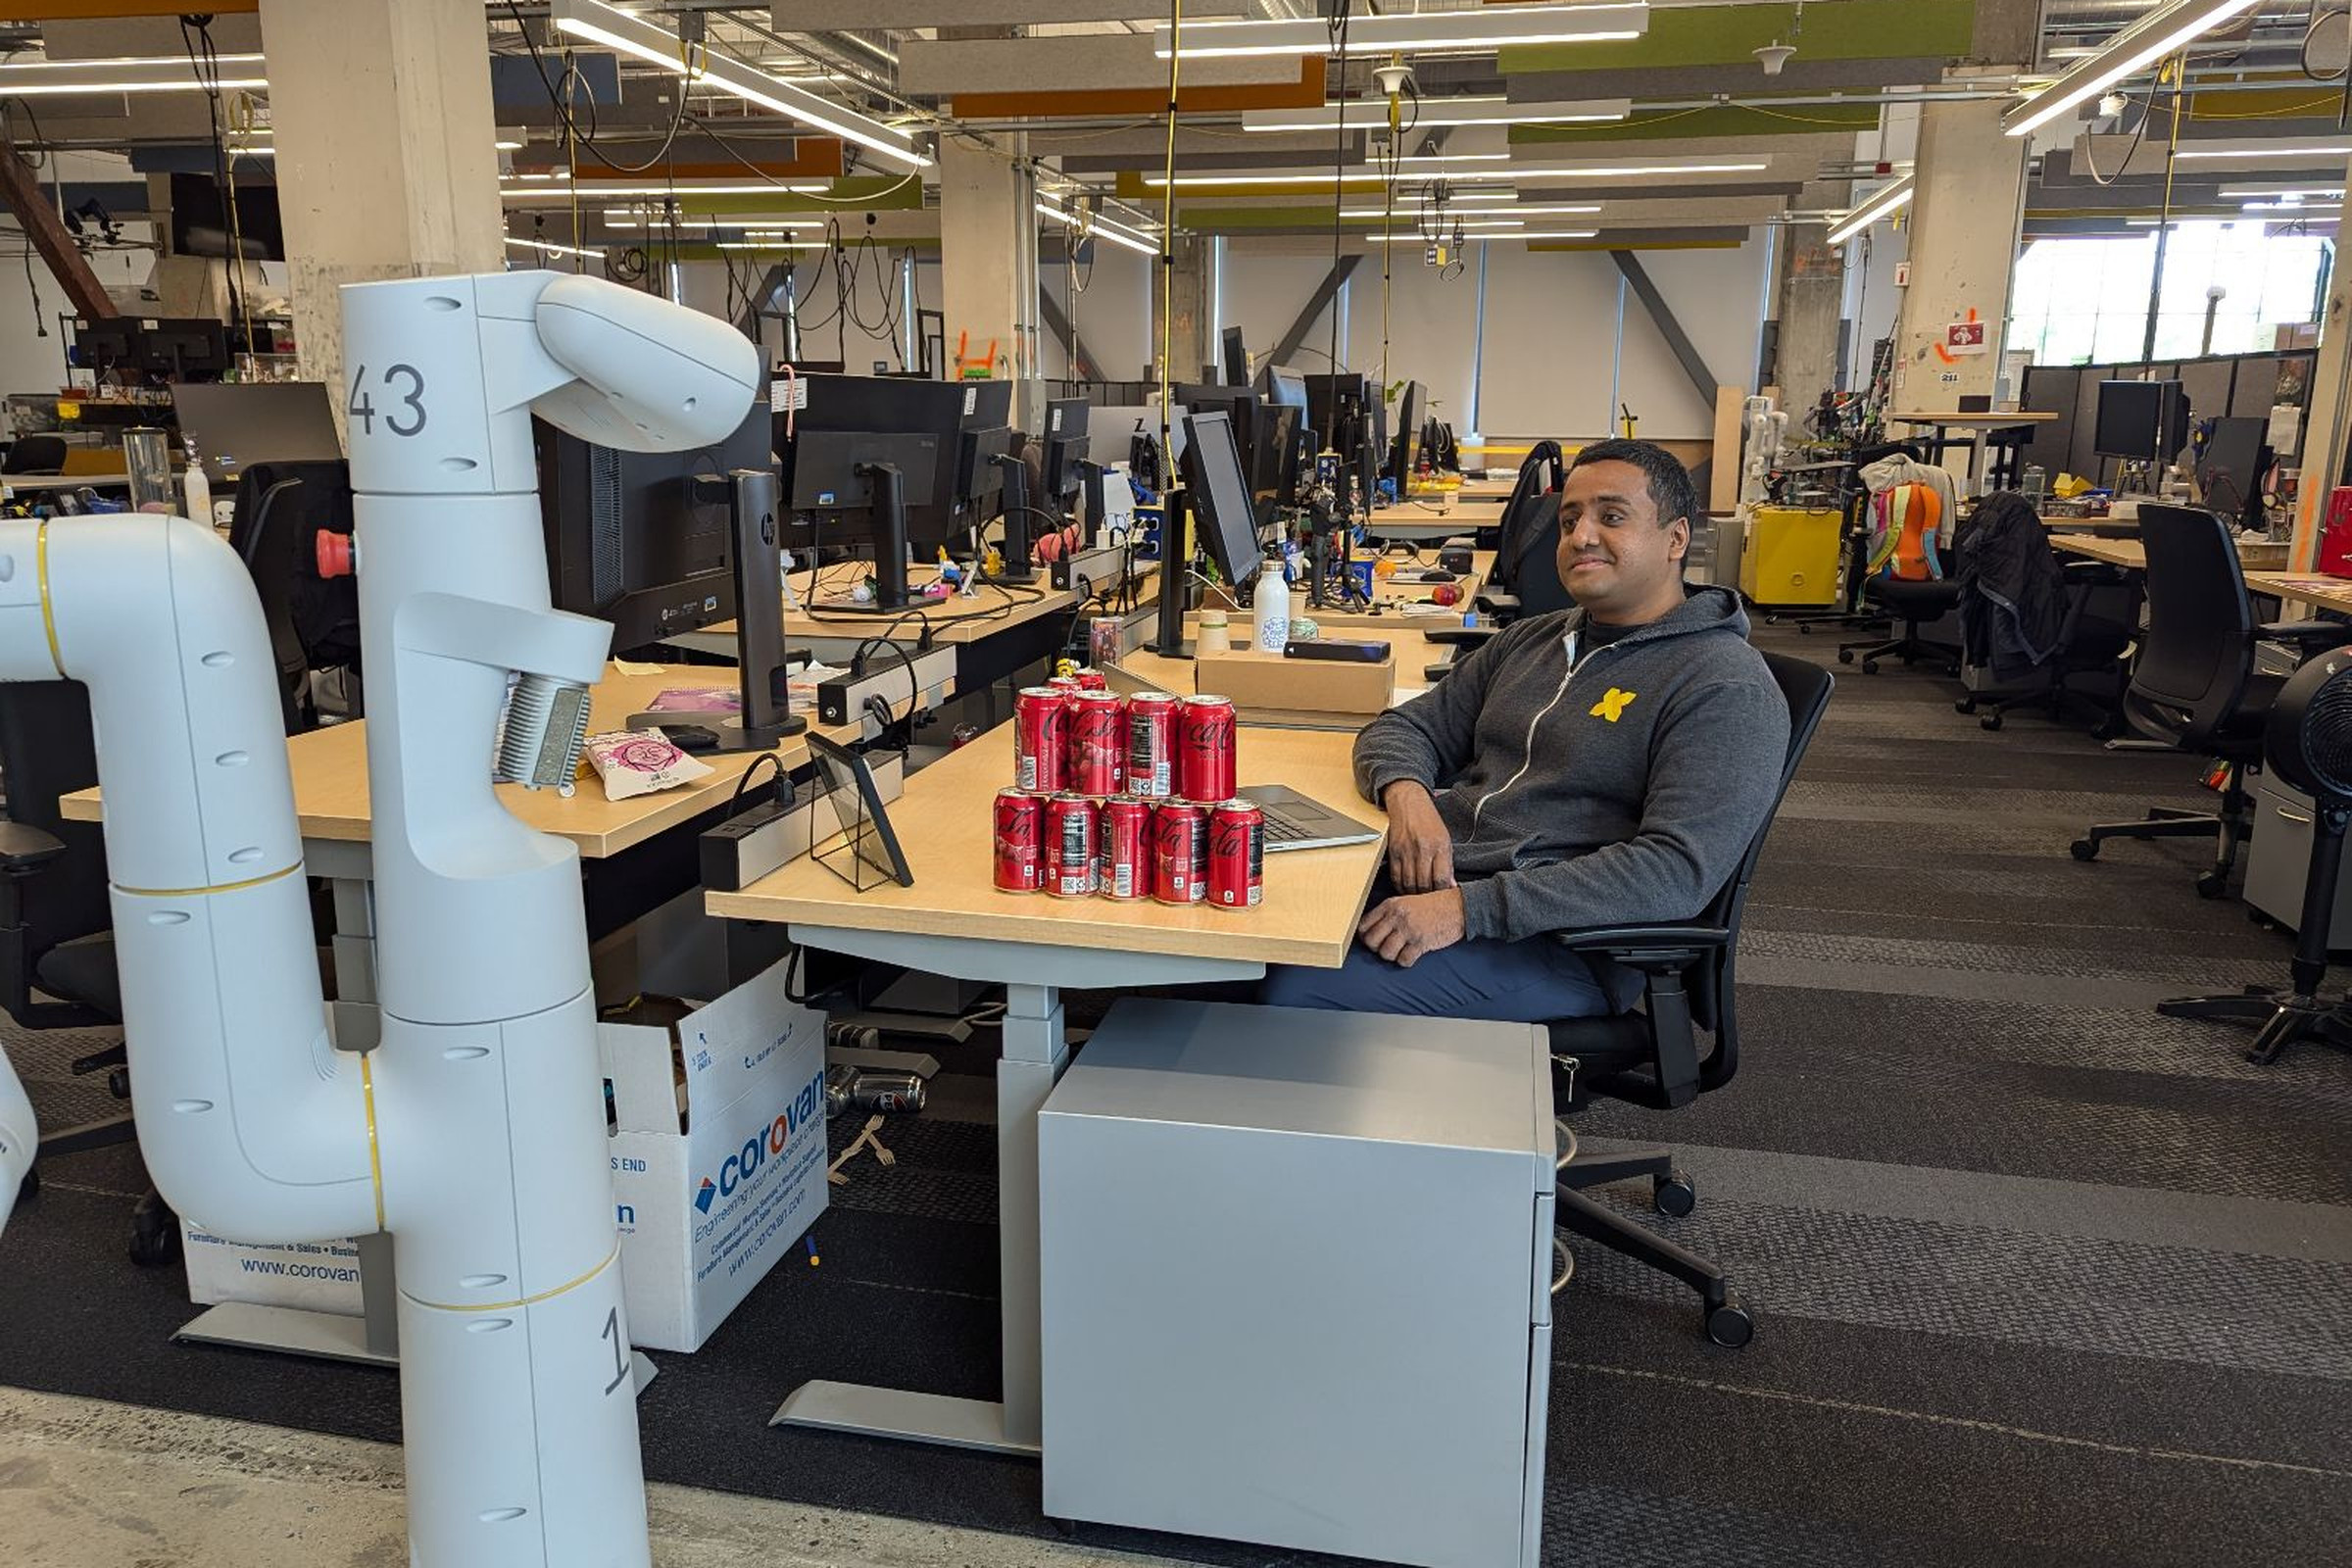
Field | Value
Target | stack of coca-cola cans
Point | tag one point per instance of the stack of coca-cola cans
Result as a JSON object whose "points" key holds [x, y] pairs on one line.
{"points": [[1127, 797]]}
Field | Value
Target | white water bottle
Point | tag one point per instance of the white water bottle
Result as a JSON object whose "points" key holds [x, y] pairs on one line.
{"points": [[199, 493], [1270, 609]]}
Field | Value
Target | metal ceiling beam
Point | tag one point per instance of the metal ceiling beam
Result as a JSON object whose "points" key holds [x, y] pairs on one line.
{"points": [[20, 190], [1686, 353], [1325, 293]]}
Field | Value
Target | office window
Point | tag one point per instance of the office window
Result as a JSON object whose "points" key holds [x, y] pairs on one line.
{"points": [[2086, 301]]}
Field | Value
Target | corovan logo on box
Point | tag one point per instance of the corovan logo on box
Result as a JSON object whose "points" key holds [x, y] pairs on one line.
{"points": [[808, 1108]]}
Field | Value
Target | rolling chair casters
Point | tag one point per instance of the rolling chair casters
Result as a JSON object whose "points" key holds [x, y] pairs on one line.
{"points": [[154, 1233], [1845, 656], [1964, 705], [1870, 666], [1992, 720], [2084, 849], [1672, 1195], [1730, 1323], [2212, 884]]}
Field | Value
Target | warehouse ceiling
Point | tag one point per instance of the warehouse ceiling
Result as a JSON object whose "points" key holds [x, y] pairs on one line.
{"points": [[1699, 139]]}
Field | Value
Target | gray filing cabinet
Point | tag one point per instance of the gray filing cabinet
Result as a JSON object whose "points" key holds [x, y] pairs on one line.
{"points": [[1296, 1281], [2279, 856]]}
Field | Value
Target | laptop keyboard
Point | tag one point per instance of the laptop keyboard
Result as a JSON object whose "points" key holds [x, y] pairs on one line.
{"points": [[1281, 829]]}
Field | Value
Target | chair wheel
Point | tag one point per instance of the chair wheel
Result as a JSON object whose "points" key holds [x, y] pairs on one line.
{"points": [[1966, 704], [1731, 1325], [1990, 721], [153, 1234], [1674, 1193], [2084, 849], [1870, 666], [2212, 884], [1845, 656], [1772, 620], [117, 1082], [1804, 628]]}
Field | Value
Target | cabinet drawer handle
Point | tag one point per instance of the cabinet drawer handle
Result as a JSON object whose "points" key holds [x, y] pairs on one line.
{"points": [[2296, 817]]}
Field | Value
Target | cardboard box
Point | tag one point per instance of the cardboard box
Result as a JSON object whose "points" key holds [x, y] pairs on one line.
{"points": [[718, 1153], [312, 1276], [1270, 683]]}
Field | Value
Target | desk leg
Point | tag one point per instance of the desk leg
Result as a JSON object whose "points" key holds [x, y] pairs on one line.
{"points": [[1036, 1051]]}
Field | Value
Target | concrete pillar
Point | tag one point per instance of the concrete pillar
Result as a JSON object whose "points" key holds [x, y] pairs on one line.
{"points": [[1965, 220], [386, 166], [988, 222], [1806, 359], [1189, 287]]}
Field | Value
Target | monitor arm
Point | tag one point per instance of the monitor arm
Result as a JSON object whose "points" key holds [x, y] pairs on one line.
{"points": [[1017, 508]]}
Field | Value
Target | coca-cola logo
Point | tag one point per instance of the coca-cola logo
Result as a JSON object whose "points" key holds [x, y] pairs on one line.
{"points": [[1204, 735], [1018, 824], [1177, 831], [1233, 837]]}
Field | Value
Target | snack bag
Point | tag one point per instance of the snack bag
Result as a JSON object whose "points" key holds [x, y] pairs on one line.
{"points": [[640, 761]]}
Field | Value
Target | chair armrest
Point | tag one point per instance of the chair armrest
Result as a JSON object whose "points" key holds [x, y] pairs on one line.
{"points": [[25, 848], [1492, 604], [1462, 636], [1661, 947], [2090, 571], [2309, 635]]}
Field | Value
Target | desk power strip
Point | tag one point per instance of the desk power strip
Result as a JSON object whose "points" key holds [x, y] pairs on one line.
{"points": [[751, 844], [1099, 567], [886, 678]]}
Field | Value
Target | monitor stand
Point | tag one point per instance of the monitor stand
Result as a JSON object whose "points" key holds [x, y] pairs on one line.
{"points": [[1017, 538], [753, 499], [1175, 578]]}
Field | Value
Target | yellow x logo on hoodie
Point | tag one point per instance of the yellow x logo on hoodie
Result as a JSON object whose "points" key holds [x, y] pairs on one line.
{"points": [[1612, 706]]}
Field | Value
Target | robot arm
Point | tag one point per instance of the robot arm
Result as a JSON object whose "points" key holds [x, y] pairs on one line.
{"points": [[18, 1138]]}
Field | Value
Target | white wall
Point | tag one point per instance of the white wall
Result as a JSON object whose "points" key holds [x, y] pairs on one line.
{"points": [[1113, 312], [1550, 357]]}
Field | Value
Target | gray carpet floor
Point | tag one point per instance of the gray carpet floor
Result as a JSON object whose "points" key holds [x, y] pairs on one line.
{"points": [[2041, 1277]]}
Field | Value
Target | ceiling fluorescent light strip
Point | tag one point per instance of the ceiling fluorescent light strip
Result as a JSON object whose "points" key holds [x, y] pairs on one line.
{"points": [[1884, 202], [599, 190], [1476, 28], [2265, 152], [1495, 173], [1505, 209], [1372, 114], [551, 248], [1423, 239], [633, 34], [1100, 228], [144, 74], [2159, 33]]}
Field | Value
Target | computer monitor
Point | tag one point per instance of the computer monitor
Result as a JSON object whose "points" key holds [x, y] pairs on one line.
{"points": [[1287, 387], [184, 346], [259, 421], [1274, 458], [633, 538], [108, 343], [880, 406], [862, 485], [2230, 467], [1405, 450], [1067, 421], [1234, 357], [1238, 402], [1220, 494], [2140, 421]]}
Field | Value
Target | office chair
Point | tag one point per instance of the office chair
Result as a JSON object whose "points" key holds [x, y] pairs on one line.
{"points": [[281, 510], [1915, 601], [1651, 1057], [34, 453], [57, 947], [2194, 684], [270, 552], [2087, 645], [2306, 739]]}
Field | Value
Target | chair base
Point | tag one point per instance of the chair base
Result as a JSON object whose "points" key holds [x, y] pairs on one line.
{"points": [[2231, 828], [1910, 648], [1727, 1322], [2280, 1018]]}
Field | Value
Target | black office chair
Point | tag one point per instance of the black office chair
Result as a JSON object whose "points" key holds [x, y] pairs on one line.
{"points": [[2194, 684], [314, 622], [57, 947], [1914, 605], [1651, 1057], [34, 453], [269, 550], [2087, 645]]}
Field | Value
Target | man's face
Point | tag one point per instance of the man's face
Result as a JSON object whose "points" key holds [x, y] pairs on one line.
{"points": [[1614, 559]]}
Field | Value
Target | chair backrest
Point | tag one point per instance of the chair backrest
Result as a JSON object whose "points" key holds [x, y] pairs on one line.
{"points": [[36, 453], [271, 537], [1806, 688], [325, 610], [2199, 653], [1534, 528], [48, 750]]}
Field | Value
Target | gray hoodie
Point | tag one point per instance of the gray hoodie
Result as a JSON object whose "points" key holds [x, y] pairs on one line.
{"points": [[1623, 793]]}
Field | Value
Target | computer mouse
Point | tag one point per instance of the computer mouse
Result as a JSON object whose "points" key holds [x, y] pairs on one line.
{"points": [[691, 737], [1436, 575]]}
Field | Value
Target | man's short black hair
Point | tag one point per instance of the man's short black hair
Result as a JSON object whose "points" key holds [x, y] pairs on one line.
{"points": [[1670, 484]]}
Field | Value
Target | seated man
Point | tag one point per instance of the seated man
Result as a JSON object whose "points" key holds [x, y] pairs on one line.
{"points": [[1602, 766]]}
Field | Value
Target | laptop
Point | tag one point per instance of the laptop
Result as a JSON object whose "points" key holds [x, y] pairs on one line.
{"points": [[1295, 822]]}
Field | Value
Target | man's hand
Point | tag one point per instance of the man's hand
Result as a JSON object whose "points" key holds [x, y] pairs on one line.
{"points": [[1420, 849], [1404, 928]]}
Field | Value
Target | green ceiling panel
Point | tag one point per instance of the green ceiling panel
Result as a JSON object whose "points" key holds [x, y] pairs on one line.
{"points": [[1721, 120], [1722, 36]]}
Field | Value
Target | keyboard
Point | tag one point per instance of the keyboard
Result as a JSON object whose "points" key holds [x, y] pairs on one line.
{"points": [[1281, 829]]}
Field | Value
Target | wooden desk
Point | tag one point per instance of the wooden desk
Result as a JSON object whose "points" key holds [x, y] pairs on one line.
{"points": [[1424, 519], [330, 781], [2132, 556], [2304, 588], [1408, 642], [953, 922]]}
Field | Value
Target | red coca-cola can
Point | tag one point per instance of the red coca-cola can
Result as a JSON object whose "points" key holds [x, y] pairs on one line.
{"points": [[1123, 828], [1097, 744], [1020, 829], [1093, 680], [1237, 856], [1041, 740], [1205, 750], [1069, 870], [1180, 851], [1151, 745], [1063, 683]]}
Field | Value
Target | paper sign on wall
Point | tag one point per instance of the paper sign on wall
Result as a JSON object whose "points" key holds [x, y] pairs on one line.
{"points": [[1902, 274], [1964, 337]]}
